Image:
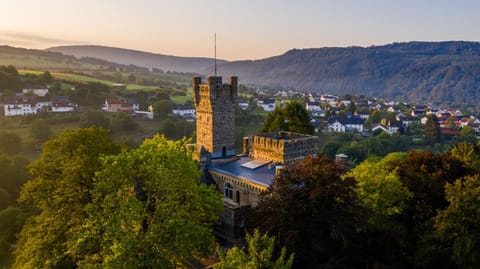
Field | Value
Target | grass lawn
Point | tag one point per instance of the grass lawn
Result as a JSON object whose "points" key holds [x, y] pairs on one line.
{"points": [[85, 79], [181, 99]]}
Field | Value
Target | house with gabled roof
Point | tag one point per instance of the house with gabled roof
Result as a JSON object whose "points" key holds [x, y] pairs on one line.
{"points": [[346, 124]]}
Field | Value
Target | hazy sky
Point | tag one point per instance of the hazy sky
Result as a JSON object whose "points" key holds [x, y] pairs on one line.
{"points": [[248, 29]]}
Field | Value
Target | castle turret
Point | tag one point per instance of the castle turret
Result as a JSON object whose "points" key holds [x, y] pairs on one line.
{"points": [[214, 103]]}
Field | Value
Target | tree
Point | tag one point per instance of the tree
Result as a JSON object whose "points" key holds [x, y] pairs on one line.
{"points": [[162, 108], [450, 123], [122, 122], [4, 198], [314, 213], [467, 133], [459, 223], [379, 188], [468, 154], [40, 131], [425, 175], [9, 79], [10, 143], [94, 118], [149, 209], [13, 174], [375, 116], [432, 129], [12, 220], [60, 189], [292, 118], [258, 255], [351, 107]]}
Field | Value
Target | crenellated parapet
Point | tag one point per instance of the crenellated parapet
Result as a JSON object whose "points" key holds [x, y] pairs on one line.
{"points": [[283, 147]]}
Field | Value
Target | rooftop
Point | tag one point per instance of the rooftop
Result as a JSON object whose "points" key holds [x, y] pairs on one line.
{"points": [[262, 175]]}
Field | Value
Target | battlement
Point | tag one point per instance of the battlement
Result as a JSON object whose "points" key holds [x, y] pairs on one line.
{"points": [[283, 147], [215, 89]]}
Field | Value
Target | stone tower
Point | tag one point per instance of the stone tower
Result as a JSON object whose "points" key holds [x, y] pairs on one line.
{"points": [[214, 104]]}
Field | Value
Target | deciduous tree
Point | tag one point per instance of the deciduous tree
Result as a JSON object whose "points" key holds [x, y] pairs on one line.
{"points": [[314, 213], [292, 118], [149, 209], [432, 129], [259, 254], [459, 222], [380, 189], [60, 189]]}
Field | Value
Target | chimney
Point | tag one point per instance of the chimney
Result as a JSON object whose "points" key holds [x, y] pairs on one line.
{"points": [[278, 170]]}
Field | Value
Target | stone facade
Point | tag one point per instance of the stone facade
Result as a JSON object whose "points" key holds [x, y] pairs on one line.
{"points": [[283, 147], [241, 178], [215, 123]]}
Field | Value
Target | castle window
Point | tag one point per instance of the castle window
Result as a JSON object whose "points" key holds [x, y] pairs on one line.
{"points": [[228, 190]]}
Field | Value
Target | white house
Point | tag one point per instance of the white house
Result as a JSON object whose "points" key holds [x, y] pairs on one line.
{"points": [[125, 105], [267, 104], [310, 106], [19, 105], [345, 124], [61, 104], [328, 98], [183, 110], [243, 105], [37, 91]]}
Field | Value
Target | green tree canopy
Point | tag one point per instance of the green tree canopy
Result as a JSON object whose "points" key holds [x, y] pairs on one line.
{"points": [[432, 129], [293, 117], [259, 254], [40, 131], [313, 213], [121, 121], [459, 223], [13, 174], [380, 189], [60, 189], [425, 175], [467, 153], [149, 209], [94, 118], [162, 108]]}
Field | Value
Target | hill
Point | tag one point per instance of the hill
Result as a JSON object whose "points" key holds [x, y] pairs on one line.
{"points": [[139, 58], [441, 72], [48, 60], [88, 69]]}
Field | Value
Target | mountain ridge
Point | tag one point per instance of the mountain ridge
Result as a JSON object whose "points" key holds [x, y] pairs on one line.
{"points": [[439, 72], [139, 58], [446, 72]]}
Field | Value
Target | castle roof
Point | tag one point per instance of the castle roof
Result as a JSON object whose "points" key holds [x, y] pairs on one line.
{"points": [[263, 175]]}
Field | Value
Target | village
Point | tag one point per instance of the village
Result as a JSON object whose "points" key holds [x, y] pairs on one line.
{"points": [[329, 113]]}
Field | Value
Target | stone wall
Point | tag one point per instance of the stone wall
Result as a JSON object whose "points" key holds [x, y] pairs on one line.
{"points": [[214, 103], [283, 147]]}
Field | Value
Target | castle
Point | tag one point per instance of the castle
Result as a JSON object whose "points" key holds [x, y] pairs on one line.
{"points": [[241, 178]]}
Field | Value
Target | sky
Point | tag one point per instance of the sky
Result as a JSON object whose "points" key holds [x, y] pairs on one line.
{"points": [[245, 29]]}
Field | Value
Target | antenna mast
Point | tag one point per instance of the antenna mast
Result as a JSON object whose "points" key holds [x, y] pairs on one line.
{"points": [[215, 53]]}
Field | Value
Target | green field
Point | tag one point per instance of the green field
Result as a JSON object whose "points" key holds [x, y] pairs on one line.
{"points": [[85, 79], [182, 99]]}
